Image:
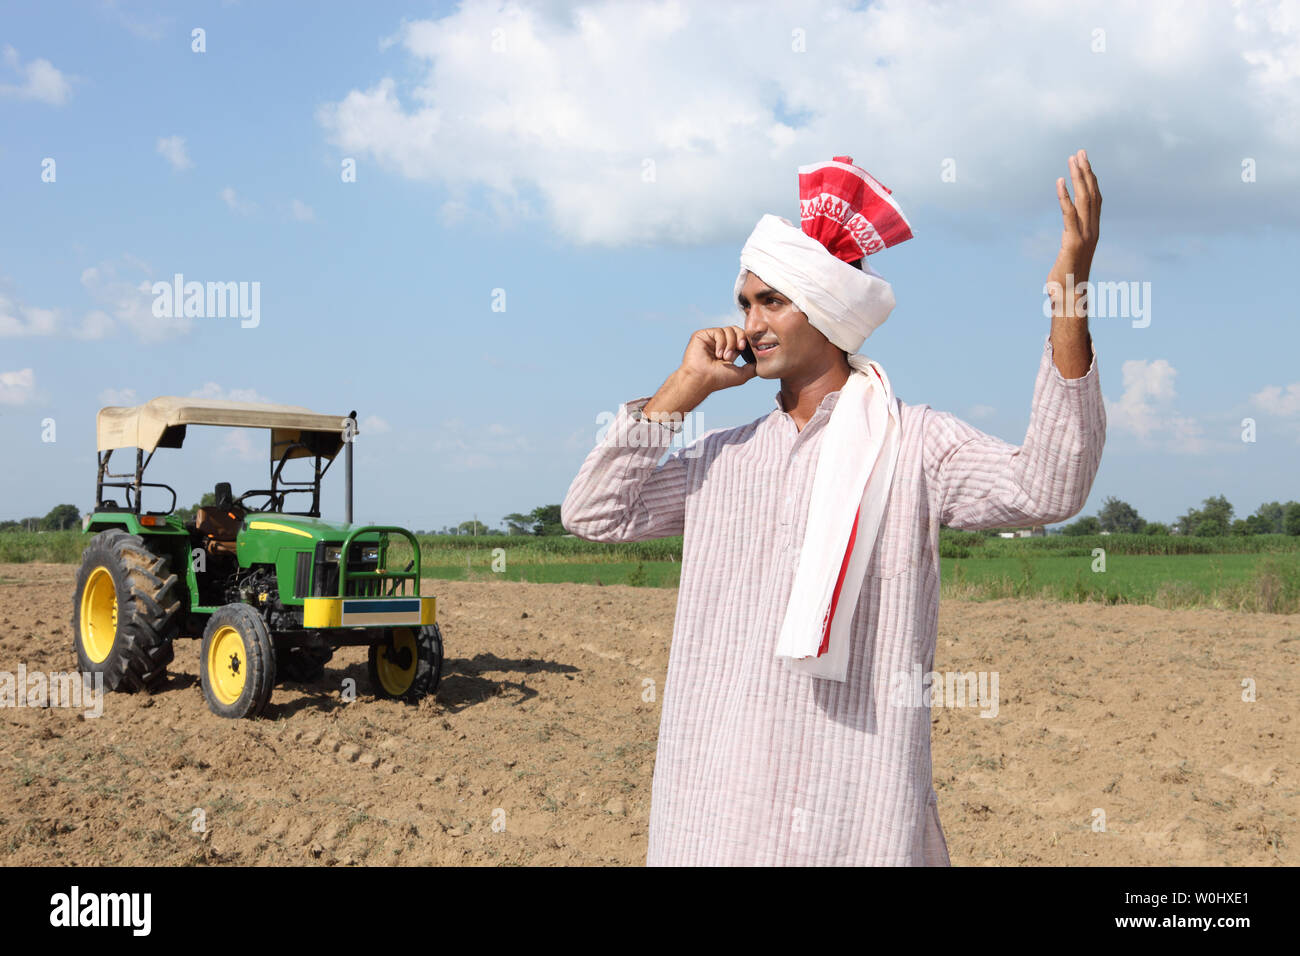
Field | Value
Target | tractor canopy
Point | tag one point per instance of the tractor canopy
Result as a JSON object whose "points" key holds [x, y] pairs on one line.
{"points": [[296, 432], [160, 423]]}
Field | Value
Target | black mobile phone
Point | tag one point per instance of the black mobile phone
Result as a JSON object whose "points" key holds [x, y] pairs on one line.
{"points": [[747, 354]]}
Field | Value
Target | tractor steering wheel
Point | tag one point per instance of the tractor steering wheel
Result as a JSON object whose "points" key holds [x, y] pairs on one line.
{"points": [[274, 500]]}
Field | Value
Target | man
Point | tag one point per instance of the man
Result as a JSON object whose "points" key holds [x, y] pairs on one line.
{"points": [[810, 572]]}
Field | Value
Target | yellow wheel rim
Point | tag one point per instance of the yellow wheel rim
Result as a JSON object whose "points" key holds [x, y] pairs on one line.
{"points": [[99, 615], [227, 664], [396, 679]]}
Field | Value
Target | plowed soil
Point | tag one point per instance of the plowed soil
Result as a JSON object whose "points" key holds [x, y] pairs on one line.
{"points": [[1122, 737]]}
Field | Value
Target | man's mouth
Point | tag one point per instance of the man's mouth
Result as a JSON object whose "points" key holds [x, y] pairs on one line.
{"points": [[761, 349]]}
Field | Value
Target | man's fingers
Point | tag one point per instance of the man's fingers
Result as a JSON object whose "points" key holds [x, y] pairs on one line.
{"points": [[725, 342], [1082, 196], [1095, 190], [718, 339], [728, 341], [735, 341], [1069, 217]]}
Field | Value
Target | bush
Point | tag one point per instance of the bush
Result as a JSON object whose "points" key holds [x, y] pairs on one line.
{"points": [[1274, 586], [958, 544], [1088, 525], [1291, 521]]}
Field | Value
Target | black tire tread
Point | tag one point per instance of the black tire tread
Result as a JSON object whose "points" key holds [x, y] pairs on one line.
{"points": [[428, 668], [148, 618]]}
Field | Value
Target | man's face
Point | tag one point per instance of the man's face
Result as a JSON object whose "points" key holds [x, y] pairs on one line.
{"points": [[771, 319]]}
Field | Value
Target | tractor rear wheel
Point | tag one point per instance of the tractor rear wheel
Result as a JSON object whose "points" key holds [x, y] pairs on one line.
{"points": [[125, 613], [237, 662], [412, 668]]}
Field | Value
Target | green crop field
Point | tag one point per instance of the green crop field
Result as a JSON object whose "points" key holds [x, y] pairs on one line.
{"points": [[1250, 582], [1252, 573]]}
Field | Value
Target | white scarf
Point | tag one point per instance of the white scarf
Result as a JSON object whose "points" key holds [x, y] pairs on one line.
{"points": [[855, 463]]}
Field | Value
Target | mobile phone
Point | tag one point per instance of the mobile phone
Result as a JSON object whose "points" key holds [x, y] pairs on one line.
{"points": [[747, 354]]}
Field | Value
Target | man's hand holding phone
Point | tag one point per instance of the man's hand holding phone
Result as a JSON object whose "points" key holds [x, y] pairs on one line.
{"points": [[707, 366]]}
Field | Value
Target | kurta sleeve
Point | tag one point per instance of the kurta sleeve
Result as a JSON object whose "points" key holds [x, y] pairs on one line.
{"points": [[979, 481], [621, 493]]}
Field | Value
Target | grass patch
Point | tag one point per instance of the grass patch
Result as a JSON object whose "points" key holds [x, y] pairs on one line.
{"points": [[1247, 582], [1253, 573], [654, 574]]}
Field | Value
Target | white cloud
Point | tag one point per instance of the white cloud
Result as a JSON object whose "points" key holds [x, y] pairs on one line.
{"points": [[1148, 387], [375, 425], [154, 29], [301, 211], [17, 388], [126, 300], [215, 391], [41, 80], [1145, 409], [118, 396], [172, 149], [96, 325], [561, 120], [243, 444], [19, 321], [242, 206], [1276, 400]]}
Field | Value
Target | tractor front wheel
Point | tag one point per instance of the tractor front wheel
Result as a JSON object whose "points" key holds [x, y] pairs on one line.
{"points": [[237, 662], [409, 666]]}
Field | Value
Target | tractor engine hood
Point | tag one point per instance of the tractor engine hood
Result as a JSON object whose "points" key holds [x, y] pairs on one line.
{"points": [[264, 535], [296, 526]]}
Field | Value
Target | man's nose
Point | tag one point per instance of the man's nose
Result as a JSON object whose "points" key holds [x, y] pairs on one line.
{"points": [[753, 328]]}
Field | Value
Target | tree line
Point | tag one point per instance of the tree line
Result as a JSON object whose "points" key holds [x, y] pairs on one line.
{"points": [[60, 518], [1212, 520], [542, 520]]}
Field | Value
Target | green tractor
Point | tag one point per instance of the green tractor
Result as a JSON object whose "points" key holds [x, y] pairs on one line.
{"points": [[270, 587]]}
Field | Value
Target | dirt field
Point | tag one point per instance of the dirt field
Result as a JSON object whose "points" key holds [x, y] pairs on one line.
{"points": [[1134, 711]]}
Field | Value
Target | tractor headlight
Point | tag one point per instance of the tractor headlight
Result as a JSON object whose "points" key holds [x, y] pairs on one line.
{"points": [[370, 553], [332, 554]]}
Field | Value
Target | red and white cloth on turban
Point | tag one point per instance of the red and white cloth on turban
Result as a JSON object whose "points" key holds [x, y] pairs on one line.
{"points": [[848, 210], [846, 215]]}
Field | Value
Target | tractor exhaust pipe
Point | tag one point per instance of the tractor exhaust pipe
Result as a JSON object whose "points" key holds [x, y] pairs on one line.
{"points": [[347, 462]]}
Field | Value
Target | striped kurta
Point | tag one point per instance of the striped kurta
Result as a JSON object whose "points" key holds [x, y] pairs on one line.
{"points": [[757, 764]]}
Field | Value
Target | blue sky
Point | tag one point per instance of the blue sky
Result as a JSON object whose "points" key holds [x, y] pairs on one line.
{"points": [[506, 147]]}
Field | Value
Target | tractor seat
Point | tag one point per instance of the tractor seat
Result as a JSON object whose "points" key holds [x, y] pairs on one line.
{"points": [[219, 527]]}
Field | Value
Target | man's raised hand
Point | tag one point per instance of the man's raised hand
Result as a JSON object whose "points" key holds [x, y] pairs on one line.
{"points": [[707, 365], [1080, 226], [711, 354]]}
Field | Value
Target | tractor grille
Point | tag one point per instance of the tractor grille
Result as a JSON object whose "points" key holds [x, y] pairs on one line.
{"points": [[325, 580], [302, 576]]}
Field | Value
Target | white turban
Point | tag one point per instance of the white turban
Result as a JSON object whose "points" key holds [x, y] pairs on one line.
{"points": [[844, 303]]}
